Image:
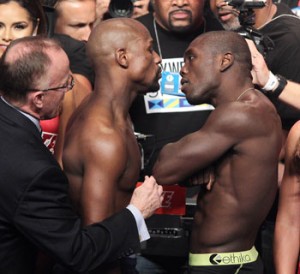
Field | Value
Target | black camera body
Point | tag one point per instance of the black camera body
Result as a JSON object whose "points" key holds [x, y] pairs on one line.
{"points": [[121, 8], [247, 20], [245, 8], [247, 4]]}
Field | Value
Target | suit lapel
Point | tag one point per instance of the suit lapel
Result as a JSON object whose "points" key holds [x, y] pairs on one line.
{"points": [[14, 117]]}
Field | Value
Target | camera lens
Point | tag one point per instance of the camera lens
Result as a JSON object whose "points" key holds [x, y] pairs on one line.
{"points": [[121, 8]]}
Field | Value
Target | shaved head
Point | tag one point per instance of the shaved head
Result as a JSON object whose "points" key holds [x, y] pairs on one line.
{"points": [[220, 42], [122, 48], [113, 34]]}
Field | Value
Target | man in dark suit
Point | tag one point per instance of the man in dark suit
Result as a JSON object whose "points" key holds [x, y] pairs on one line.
{"points": [[35, 211]]}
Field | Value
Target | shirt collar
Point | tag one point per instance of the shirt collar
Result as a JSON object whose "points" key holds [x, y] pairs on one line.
{"points": [[29, 116]]}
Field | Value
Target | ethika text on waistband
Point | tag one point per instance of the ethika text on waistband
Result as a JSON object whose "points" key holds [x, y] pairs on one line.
{"points": [[227, 258]]}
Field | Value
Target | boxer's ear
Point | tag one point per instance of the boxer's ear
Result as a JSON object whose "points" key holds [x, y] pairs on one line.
{"points": [[121, 57], [226, 61]]}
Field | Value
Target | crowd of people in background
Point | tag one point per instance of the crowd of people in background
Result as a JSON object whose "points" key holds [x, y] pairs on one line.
{"points": [[213, 89]]}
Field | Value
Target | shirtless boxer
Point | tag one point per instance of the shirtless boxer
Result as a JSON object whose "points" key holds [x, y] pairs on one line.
{"points": [[241, 139], [101, 155]]}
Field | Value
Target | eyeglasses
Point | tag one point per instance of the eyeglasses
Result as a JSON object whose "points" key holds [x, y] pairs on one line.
{"points": [[66, 87]]}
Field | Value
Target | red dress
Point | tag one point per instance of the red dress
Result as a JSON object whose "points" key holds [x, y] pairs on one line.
{"points": [[49, 132]]}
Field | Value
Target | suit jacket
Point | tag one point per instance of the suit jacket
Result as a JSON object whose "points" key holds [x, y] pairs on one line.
{"points": [[36, 213]]}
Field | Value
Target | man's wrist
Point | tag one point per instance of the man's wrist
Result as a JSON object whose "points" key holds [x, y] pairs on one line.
{"points": [[140, 222], [282, 82], [271, 84], [275, 85]]}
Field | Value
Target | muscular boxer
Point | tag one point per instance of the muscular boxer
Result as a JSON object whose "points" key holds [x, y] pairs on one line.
{"points": [[241, 139], [101, 156]]}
